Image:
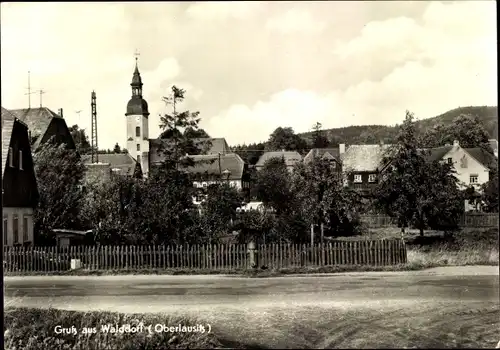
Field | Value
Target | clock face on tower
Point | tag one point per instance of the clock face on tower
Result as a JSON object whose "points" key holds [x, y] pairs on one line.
{"points": [[138, 119]]}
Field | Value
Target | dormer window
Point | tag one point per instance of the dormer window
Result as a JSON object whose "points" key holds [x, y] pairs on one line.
{"points": [[11, 157], [450, 161], [21, 160]]}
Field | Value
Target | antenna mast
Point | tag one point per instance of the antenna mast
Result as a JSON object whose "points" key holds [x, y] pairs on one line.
{"points": [[41, 92], [94, 150], [29, 90]]}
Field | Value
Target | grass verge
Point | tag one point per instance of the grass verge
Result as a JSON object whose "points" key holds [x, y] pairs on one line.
{"points": [[28, 328]]}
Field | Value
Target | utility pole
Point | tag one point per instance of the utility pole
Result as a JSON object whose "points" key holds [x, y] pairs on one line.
{"points": [[94, 150], [41, 92], [29, 90]]}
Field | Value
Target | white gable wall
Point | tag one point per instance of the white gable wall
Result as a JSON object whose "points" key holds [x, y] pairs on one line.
{"points": [[473, 167]]}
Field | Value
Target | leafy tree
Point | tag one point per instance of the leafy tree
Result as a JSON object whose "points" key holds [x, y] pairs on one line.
{"points": [[195, 133], [81, 139], [414, 190], [319, 140], [435, 137], [169, 188], [117, 148], [59, 173], [467, 129], [112, 210], [285, 138], [324, 199], [251, 153], [490, 192], [254, 226], [219, 209], [173, 125], [273, 186]]}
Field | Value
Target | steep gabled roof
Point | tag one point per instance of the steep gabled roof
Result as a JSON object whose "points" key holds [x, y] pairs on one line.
{"points": [[216, 145], [322, 152], [209, 165], [37, 119], [291, 157], [121, 161], [212, 146], [482, 156], [8, 120], [364, 158], [437, 153]]}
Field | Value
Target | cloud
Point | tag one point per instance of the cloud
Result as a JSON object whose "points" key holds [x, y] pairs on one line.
{"points": [[295, 21], [435, 65], [222, 10]]}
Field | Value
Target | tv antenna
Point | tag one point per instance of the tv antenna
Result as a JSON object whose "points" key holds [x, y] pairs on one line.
{"points": [[29, 90], [41, 92]]}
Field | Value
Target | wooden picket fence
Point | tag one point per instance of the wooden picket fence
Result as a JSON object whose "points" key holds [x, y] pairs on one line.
{"points": [[209, 257], [469, 220]]}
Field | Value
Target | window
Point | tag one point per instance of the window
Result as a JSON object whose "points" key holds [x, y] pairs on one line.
{"points": [[450, 161], [372, 177], [11, 157], [25, 229], [473, 179], [20, 160], [357, 178], [15, 228], [137, 131], [138, 147], [5, 229]]}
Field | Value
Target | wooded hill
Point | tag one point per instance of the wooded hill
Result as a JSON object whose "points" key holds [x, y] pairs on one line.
{"points": [[372, 134]]}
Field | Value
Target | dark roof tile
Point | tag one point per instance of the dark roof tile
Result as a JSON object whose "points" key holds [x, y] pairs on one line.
{"points": [[122, 162], [364, 158], [291, 157], [8, 120], [214, 145], [322, 152], [209, 164]]}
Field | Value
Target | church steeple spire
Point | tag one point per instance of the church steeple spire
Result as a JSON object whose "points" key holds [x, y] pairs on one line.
{"points": [[136, 80]]}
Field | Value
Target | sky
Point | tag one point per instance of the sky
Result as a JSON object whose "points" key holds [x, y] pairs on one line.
{"points": [[249, 67]]}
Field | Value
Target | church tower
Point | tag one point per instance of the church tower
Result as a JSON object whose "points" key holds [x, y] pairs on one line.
{"points": [[137, 123]]}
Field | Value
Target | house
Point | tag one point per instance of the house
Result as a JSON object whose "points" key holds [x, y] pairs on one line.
{"points": [[211, 169], [291, 158], [115, 163], [42, 124], [329, 154], [19, 185], [363, 164], [472, 165], [204, 146]]}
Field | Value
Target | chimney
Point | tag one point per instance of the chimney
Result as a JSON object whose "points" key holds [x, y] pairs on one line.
{"points": [[381, 142], [61, 112], [456, 143], [342, 148]]}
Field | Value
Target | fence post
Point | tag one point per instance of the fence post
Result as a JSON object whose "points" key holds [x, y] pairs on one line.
{"points": [[251, 255]]}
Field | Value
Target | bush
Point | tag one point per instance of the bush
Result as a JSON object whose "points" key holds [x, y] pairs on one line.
{"points": [[27, 328]]}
